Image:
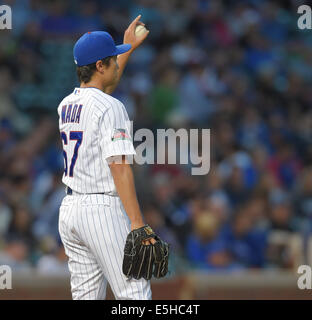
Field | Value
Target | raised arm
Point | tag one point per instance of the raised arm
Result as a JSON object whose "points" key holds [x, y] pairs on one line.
{"points": [[130, 38]]}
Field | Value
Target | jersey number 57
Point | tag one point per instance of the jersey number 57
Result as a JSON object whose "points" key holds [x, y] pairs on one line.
{"points": [[73, 135]]}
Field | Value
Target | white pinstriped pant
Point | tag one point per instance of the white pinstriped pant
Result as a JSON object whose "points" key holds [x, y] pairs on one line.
{"points": [[93, 230]]}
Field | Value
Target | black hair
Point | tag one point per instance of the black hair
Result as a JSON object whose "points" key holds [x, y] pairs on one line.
{"points": [[85, 73]]}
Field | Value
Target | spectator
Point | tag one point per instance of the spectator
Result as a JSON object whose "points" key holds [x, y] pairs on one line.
{"points": [[20, 226], [15, 254], [246, 244], [205, 248]]}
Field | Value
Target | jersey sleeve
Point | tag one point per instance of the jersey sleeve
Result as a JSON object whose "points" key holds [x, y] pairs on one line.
{"points": [[115, 132]]}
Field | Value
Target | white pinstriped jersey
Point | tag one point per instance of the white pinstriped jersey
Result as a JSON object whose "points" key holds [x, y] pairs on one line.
{"points": [[93, 126]]}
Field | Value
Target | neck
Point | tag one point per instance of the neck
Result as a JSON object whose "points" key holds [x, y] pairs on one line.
{"points": [[92, 84]]}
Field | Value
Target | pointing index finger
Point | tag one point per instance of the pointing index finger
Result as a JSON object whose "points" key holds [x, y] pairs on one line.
{"points": [[134, 22]]}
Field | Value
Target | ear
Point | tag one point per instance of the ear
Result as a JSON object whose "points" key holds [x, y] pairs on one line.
{"points": [[99, 66]]}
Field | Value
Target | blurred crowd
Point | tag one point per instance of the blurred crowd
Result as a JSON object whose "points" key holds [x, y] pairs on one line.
{"points": [[239, 67]]}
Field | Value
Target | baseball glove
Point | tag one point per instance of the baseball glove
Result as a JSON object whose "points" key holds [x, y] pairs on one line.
{"points": [[145, 261]]}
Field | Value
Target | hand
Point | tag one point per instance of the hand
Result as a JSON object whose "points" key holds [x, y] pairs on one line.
{"points": [[130, 37], [137, 225], [149, 241]]}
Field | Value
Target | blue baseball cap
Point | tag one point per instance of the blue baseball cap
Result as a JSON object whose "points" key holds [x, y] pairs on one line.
{"points": [[96, 45]]}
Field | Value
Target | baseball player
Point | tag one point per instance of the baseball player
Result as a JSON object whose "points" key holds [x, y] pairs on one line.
{"points": [[100, 207]]}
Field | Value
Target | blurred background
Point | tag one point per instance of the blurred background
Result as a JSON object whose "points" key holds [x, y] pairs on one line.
{"points": [[239, 67]]}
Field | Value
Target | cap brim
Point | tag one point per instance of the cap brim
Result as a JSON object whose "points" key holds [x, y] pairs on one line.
{"points": [[122, 48]]}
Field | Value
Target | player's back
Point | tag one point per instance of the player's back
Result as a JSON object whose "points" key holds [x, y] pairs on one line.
{"points": [[87, 118]]}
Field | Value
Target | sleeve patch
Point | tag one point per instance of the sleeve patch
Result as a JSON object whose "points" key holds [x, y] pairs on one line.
{"points": [[120, 134]]}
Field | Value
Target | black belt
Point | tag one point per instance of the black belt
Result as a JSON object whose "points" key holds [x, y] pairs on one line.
{"points": [[69, 191]]}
